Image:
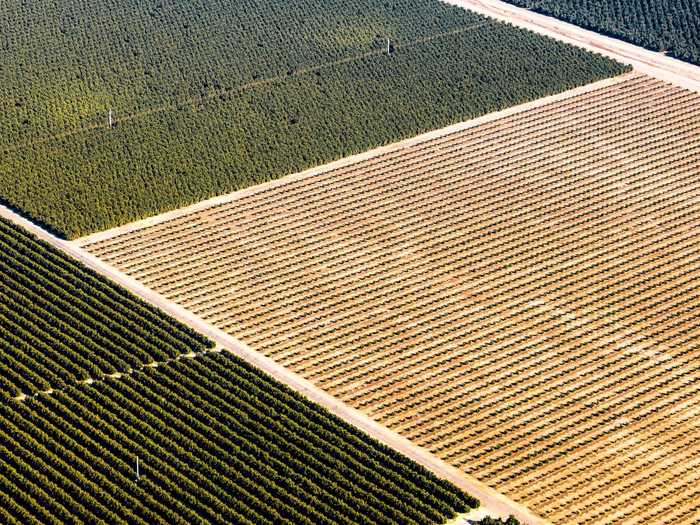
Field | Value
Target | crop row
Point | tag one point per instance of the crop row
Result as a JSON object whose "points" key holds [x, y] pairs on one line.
{"points": [[519, 297], [217, 441], [199, 122], [60, 323]]}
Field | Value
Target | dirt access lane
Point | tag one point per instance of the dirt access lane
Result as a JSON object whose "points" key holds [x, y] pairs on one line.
{"points": [[655, 64], [493, 503]]}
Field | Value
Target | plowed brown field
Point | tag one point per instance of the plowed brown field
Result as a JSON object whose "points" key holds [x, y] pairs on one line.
{"points": [[521, 298]]}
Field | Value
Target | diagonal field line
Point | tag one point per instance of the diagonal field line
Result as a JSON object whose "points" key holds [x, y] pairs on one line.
{"points": [[214, 93], [118, 375], [495, 502]]}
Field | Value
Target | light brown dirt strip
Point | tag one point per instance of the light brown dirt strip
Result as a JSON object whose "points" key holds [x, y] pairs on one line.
{"points": [[492, 502], [658, 65], [349, 161]]}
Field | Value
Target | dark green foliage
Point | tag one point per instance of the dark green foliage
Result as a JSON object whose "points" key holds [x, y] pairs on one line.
{"points": [[497, 521], [217, 443], [60, 322], [213, 96], [672, 26]]}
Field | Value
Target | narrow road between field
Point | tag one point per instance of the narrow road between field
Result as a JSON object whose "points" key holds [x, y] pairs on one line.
{"points": [[652, 63], [492, 501], [347, 161]]}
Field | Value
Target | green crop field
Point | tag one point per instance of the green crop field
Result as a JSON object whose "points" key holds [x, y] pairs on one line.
{"points": [[671, 26], [217, 441], [209, 97], [61, 323]]}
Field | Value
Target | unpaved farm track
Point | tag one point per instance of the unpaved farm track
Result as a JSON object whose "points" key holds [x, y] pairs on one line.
{"points": [[652, 63], [519, 297], [492, 502]]}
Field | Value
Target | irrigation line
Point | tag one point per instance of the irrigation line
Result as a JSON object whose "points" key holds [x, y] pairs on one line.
{"points": [[118, 375], [215, 93]]}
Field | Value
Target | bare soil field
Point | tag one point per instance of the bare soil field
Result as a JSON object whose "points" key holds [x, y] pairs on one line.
{"points": [[519, 297]]}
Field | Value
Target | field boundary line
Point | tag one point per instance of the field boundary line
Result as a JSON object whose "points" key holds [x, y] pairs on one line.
{"points": [[653, 63], [491, 500], [348, 161]]}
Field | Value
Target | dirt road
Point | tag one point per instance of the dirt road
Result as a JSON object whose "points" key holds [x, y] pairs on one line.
{"points": [[345, 161], [652, 63], [492, 502]]}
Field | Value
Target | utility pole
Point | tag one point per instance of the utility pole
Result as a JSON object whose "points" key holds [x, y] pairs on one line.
{"points": [[388, 47], [110, 118], [138, 473]]}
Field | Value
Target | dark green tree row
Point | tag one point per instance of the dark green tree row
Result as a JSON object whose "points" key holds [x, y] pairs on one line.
{"points": [[60, 322], [218, 442], [497, 521], [671, 26], [100, 178]]}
